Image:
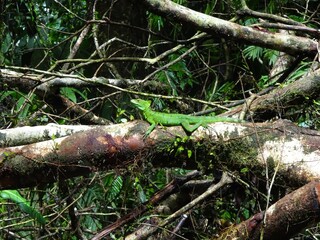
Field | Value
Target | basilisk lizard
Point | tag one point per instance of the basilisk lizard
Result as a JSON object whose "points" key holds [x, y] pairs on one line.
{"points": [[189, 123]]}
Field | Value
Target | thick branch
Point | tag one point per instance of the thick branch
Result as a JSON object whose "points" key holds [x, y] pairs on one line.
{"points": [[26, 135], [284, 219], [294, 94], [221, 28], [294, 149]]}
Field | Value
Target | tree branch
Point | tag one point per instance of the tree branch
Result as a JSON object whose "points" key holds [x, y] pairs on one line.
{"points": [[115, 146], [222, 28], [285, 218]]}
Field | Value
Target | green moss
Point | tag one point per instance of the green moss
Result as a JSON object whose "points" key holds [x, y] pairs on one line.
{"points": [[21, 164], [234, 154]]}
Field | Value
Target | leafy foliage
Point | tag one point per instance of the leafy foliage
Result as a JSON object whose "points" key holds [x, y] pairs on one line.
{"points": [[39, 34], [115, 188], [15, 196]]}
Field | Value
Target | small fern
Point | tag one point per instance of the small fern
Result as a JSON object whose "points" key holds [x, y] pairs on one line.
{"points": [[115, 188], [253, 52]]}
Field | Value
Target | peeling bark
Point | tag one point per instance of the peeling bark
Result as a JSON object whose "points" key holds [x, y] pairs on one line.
{"points": [[75, 155]]}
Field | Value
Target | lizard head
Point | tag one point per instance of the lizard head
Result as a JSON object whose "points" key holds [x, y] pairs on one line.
{"points": [[141, 104]]}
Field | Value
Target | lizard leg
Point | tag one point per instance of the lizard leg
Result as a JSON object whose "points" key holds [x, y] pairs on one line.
{"points": [[190, 128], [150, 129]]}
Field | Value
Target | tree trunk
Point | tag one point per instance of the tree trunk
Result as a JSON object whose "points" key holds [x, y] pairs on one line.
{"points": [[290, 151]]}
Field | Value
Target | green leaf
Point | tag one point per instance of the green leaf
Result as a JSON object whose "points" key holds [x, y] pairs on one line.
{"points": [[226, 215], [141, 194], [244, 170], [69, 93], [24, 205], [246, 213], [6, 94], [299, 72], [115, 188], [253, 52], [23, 106], [271, 55]]}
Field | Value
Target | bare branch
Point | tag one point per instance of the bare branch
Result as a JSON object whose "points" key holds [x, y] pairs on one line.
{"points": [[143, 234], [221, 28]]}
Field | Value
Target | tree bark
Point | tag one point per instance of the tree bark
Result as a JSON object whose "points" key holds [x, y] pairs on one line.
{"points": [[293, 151], [285, 218], [275, 103], [221, 28]]}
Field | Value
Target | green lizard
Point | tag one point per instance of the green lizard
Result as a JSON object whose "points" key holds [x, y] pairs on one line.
{"points": [[189, 123]]}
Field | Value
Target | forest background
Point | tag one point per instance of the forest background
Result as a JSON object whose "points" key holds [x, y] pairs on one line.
{"points": [[75, 162]]}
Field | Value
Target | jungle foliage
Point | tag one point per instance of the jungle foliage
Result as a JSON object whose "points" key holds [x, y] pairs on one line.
{"points": [[38, 37]]}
